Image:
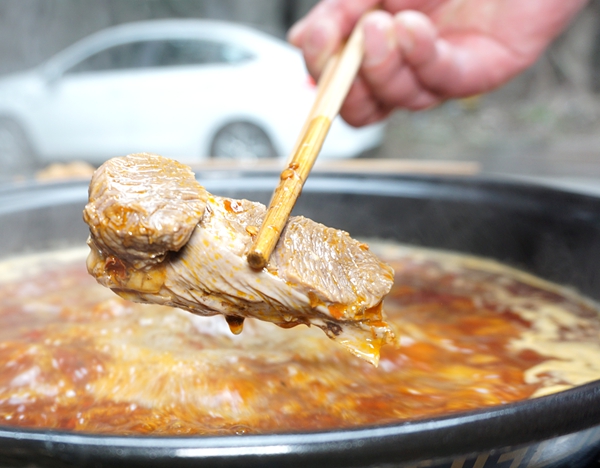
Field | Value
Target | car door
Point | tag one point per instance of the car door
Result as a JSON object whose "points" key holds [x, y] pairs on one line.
{"points": [[155, 96], [92, 110], [194, 82]]}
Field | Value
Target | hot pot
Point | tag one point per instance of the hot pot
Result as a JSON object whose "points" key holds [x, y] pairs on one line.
{"points": [[551, 233]]}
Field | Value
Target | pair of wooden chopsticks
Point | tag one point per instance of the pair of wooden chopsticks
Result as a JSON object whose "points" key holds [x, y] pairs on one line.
{"points": [[332, 89]]}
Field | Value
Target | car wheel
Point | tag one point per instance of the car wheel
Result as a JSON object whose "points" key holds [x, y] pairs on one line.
{"points": [[16, 155], [242, 140]]}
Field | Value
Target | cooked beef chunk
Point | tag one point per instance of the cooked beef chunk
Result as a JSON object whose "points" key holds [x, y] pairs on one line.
{"points": [[157, 236], [143, 207]]}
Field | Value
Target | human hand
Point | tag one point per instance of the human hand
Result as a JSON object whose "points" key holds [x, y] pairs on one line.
{"points": [[419, 53]]}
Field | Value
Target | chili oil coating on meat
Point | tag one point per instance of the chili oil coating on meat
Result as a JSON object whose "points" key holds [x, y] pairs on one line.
{"points": [[141, 210], [157, 236]]}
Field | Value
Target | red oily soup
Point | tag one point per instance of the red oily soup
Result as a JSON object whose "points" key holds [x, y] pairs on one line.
{"points": [[472, 334]]}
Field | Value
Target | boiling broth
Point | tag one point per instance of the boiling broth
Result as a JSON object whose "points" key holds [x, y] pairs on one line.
{"points": [[473, 334]]}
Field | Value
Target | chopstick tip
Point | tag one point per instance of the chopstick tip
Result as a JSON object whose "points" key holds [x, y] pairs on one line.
{"points": [[256, 260]]}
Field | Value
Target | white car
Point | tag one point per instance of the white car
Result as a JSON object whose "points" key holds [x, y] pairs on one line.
{"points": [[186, 89]]}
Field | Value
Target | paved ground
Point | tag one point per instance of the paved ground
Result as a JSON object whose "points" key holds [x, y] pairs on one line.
{"points": [[554, 139]]}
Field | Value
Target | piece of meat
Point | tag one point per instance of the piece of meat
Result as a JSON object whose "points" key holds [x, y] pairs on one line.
{"points": [[157, 236], [143, 207]]}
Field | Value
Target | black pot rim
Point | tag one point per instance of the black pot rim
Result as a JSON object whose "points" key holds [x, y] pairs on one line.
{"points": [[513, 424], [479, 430]]}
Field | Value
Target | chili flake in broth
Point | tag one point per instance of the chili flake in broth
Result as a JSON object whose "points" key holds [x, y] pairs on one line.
{"points": [[473, 334]]}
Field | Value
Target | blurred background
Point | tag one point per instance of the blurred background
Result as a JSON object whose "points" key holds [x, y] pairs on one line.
{"points": [[545, 124]]}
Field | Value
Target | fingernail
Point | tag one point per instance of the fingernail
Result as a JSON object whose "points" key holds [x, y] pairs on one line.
{"points": [[319, 40], [405, 32], [379, 38]]}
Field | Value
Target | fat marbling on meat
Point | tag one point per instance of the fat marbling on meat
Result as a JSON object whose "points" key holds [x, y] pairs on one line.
{"points": [[157, 236]]}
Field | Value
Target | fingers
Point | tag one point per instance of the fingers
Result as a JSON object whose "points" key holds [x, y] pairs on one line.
{"points": [[320, 42], [410, 63], [387, 80], [361, 108], [416, 36], [457, 66], [381, 47], [396, 47], [393, 45], [322, 31], [469, 65]]}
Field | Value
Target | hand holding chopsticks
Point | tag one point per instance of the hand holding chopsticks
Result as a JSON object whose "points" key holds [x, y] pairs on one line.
{"points": [[332, 90]]}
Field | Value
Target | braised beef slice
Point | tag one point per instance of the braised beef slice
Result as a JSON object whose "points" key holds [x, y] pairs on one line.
{"points": [[157, 236]]}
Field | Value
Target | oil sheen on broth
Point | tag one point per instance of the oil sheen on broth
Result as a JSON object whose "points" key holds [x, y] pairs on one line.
{"points": [[472, 334]]}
